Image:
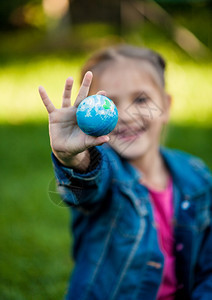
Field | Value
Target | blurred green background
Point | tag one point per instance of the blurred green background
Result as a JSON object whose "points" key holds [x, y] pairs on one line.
{"points": [[44, 42]]}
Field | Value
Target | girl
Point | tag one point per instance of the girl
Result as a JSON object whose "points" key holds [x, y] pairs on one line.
{"points": [[141, 213]]}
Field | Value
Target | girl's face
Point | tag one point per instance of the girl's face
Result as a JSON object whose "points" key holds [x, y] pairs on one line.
{"points": [[142, 104]]}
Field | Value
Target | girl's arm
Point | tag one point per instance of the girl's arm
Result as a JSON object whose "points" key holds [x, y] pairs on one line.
{"points": [[82, 173], [84, 189]]}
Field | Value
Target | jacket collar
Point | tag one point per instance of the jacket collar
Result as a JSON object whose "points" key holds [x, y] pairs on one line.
{"points": [[188, 172]]}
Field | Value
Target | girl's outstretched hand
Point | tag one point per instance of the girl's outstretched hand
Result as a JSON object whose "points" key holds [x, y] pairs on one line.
{"points": [[68, 142]]}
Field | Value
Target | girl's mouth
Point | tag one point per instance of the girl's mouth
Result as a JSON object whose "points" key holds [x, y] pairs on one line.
{"points": [[130, 135]]}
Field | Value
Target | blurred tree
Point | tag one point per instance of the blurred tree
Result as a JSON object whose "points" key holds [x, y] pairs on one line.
{"points": [[84, 11], [14, 13], [159, 15], [180, 2], [55, 9], [57, 16]]}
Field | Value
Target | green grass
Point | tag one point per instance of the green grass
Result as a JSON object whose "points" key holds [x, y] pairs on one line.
{"points": [[35, 241]]}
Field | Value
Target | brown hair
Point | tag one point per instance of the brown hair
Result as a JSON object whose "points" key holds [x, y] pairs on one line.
{"points": [[102, 58]]}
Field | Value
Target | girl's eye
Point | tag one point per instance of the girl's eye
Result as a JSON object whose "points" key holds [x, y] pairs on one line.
{"points": [[141, 100]]}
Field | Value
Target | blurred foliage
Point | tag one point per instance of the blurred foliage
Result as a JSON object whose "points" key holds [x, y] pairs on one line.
{"points": [[182, 2], [20, 13], [107, 11], [31, 58], [35, 243], [191, 15]]}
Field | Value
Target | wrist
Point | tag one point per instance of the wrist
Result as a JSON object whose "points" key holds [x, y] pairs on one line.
{"points": [[79, 161]]}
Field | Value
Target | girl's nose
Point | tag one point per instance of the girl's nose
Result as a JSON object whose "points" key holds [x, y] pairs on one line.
{"points": [[124, 116], [127, 113]]}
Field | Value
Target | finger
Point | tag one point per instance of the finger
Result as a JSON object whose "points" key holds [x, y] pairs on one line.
{"points": [[67, 92], [91, 141], [101, 140], [84, 89], [46, 101], [103, 93]]}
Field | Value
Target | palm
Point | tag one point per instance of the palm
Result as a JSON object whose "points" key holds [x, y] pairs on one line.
{"points": [[65, 135]]}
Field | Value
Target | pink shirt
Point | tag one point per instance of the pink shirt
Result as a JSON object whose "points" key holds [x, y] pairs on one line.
{"points": [[162, 202]]}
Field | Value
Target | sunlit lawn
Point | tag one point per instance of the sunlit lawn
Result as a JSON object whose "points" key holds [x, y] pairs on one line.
{"points": [[189, 83], [35, 241]]}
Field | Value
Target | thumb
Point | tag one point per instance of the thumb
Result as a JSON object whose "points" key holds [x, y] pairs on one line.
{"points": [[101, 140]]}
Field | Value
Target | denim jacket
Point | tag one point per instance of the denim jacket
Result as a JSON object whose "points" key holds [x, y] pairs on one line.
{"points": [[116, 250]]}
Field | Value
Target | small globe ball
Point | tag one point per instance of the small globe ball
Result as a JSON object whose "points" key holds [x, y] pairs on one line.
{"points": [[97, 115]]}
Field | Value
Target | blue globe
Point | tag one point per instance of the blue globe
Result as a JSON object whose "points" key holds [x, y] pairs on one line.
{"points": [[97, 115]]}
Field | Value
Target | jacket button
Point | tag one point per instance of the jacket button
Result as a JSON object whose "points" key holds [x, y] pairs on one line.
{"points": [[179, 247], [180, 286], [185, 204]]}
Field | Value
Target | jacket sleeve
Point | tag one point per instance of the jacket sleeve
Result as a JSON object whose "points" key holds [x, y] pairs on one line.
{"points": [[84, 189], [203, 284], [203, 279]]}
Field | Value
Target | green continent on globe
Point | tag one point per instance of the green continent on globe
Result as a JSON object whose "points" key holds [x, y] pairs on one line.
{"points": [[107, 104]]}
